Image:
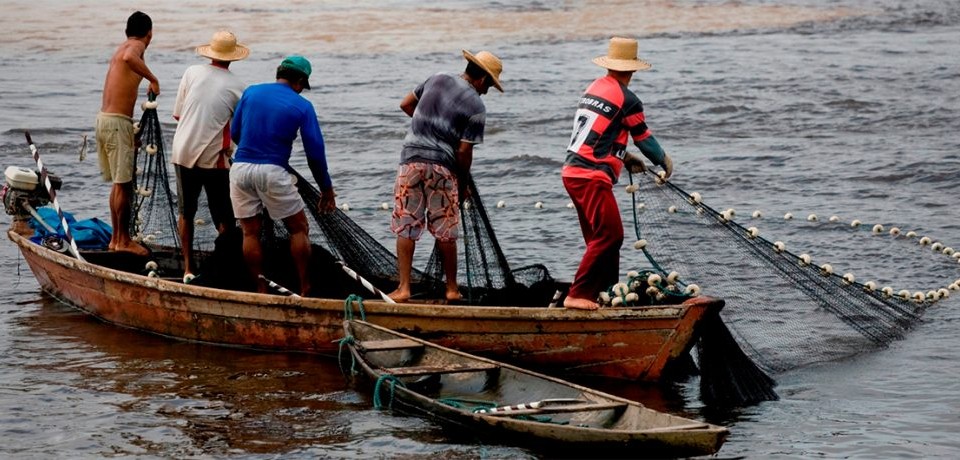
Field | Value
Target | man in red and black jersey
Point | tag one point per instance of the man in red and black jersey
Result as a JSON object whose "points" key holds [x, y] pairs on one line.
{"points": [[607, 115]]}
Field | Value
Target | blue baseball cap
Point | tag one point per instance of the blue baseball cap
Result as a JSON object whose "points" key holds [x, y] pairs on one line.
{"points": [[300, 64]]}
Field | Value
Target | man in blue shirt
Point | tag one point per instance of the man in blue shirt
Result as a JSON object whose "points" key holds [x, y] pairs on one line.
{"points": [[265, 124]]}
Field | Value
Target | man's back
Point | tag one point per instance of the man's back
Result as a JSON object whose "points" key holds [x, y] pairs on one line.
{"points": [[266, 123], [205, 103], [121, 84], [449, 110]]}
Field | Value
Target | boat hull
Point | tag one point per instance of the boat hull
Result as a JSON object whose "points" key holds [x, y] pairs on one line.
{"points": [[621, 343], [419, 377]]}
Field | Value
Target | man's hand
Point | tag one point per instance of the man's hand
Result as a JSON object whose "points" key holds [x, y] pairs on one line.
{"points": [[667, 166], [463, 192], [634, 164], [153, 88], [328, 201]]}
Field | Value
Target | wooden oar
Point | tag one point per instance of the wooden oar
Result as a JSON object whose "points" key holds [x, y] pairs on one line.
{"points": [[72, 245], [370, 287]]}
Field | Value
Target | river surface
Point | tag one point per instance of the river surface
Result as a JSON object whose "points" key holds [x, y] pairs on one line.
{"points": [[847, 107]]}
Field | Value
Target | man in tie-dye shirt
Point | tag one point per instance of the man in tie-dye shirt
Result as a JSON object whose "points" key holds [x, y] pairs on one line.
{"points": [[448, 118]]}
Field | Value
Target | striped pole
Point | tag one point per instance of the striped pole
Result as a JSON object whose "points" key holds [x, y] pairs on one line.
{"points": [[555, 301], [370, 287], [529, 406], [278, 287], [72, 245], [513, 408]]}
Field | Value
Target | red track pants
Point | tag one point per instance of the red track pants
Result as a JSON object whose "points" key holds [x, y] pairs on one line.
{"points": [[602, 231]]}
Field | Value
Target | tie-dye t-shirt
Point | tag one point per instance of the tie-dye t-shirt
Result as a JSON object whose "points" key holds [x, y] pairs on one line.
{"points": [[449, 111]]}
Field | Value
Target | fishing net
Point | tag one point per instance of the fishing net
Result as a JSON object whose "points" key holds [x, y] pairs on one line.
{"points": [[487, 277], [154, 206], [782, 305]]}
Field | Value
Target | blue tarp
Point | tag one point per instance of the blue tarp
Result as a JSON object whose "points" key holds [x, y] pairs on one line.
{"points": [[88, 233]]}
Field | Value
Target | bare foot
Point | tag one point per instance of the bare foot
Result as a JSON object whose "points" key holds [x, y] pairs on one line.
{"points": [[580, 304], [133, 248], [399, 295], [454, 296]]}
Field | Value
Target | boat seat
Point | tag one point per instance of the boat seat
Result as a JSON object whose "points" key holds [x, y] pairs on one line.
{"points": [[449, 369], [387, 345], [587, 407]]}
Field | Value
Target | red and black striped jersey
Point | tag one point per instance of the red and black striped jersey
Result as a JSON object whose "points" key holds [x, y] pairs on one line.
{"points": [[607, 113]]}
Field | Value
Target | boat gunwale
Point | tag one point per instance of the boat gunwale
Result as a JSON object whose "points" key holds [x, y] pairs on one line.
{"points": [[667, 312]]}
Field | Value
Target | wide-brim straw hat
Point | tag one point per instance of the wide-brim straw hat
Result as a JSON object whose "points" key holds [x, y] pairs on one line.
{"points": [[489, 63], [224, 47], [622, 56]]}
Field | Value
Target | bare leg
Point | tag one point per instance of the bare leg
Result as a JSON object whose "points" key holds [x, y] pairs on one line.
{"points": [[300, 248], [120, 197], [185, 226], [448, 258], [405, 249], [252, 253]]}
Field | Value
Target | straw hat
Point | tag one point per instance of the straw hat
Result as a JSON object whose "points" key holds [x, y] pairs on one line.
{"points": [[622, 56], [489, 63], [224, 47]]}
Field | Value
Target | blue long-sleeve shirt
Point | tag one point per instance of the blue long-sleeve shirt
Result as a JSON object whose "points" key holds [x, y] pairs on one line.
{"points": [[266, 122]]}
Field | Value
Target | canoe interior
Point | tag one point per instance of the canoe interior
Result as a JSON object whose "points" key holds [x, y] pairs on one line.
{"points": [[224, 268], [449, 386]]}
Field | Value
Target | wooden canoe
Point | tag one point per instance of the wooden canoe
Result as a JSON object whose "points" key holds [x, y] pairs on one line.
{"points": [[513, 405], [624, 343]]}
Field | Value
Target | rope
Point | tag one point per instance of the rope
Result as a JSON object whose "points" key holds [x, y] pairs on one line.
{"points": [[393, 381], [463, 403], [348, 307], [348, 340]]}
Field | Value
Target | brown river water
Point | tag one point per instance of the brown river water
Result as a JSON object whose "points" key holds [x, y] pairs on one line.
{"points": [[849, 107]]}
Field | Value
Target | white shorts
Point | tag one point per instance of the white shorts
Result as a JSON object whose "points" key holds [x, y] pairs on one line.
{"points": [[254, 187]]}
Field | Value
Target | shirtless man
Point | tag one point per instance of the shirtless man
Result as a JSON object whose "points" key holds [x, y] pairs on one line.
{"points": [[114, 127]]}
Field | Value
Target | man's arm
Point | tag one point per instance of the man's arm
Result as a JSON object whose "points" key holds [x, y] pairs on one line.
{"points": [[409, 104], [317, 159], [464, 157], [181, 96], [133, 57], [652, 150], [237, 122]]}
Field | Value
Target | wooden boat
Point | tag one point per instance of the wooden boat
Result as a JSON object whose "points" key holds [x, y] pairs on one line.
{"points": [[624, 343], [514, 405]]}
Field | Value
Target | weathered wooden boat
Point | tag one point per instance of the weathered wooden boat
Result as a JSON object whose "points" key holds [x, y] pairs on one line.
{"points": [[635, 343], [514, 405]]}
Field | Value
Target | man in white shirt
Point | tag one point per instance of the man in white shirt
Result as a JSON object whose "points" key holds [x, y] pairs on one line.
{"points": [[202, 148]]}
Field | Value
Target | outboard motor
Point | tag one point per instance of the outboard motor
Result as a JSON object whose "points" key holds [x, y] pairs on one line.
{"points": [[22, 192]]}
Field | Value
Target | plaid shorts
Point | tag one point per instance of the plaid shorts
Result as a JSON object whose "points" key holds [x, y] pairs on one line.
{"points": [[425, 194]]}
